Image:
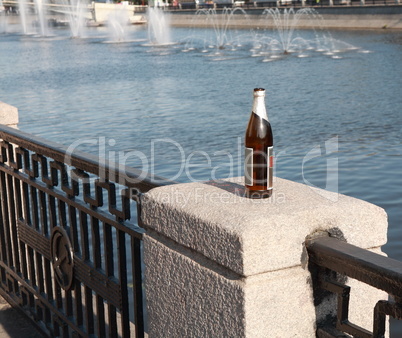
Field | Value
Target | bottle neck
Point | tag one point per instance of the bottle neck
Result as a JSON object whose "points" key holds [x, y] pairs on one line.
{"points": [[259, 107]]}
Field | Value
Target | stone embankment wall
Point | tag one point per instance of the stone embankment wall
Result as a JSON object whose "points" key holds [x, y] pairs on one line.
{"points": [[341, 17], [8, 115], [389, 17]]}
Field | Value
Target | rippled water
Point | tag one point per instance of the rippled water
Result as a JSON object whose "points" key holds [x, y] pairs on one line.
{"points": [[172, 106]]}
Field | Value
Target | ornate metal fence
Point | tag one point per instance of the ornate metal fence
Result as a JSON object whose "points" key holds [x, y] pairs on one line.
{"points": [[331, 261], [70, 248]]}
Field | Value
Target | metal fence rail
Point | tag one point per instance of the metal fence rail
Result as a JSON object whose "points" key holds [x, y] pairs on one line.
{"points": [[329, 256], [70, 247]]}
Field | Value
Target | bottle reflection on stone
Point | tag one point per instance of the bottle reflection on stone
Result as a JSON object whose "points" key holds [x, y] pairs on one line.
{"points": [[258, 162]]}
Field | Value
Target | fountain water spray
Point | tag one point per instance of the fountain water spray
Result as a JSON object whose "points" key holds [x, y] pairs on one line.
{"points": [[223, 38], [286, 23], [221, 23], [23, 15], [288, 39], [158, 27], [3, 22], [40, 9], [117, 23], [75, 12], [277, 35]]}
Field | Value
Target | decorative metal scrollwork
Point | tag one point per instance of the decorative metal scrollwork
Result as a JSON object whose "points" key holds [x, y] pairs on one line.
{"points": [[67, 216], [62, 257]]}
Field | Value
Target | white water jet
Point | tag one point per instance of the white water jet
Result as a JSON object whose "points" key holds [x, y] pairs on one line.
{"points": [[285, 24], [75, 12], [223, 36], [117, 23], [221, 24], [3, 22], [22, 8], [158, 27], [288, 40], [40, 9], [277, 36]]}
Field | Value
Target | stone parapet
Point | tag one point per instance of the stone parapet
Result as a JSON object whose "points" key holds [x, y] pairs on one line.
{"points": [[329, 20], [236, 232], [221, 265], [8, 115]]}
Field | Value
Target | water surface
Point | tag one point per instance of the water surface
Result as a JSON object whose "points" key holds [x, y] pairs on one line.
{"points": [[174, 106]]}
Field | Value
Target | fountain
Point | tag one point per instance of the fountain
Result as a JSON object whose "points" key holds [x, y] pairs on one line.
{"points": [[159, 33], [222, 35], [75, 12], [40, 22], [285, 24], [2, 18], [220, 23], [40, 10], [23, 15], [276, 37], [288, 39], [117, 23]]}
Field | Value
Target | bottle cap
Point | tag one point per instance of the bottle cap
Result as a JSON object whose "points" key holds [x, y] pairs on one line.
{"points": [[259, 92]]}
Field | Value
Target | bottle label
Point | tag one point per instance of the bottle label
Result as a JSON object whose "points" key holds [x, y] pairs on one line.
{"points": [[249, 167], [270, 167]]}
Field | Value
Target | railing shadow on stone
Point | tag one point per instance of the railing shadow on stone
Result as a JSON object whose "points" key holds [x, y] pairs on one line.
{"points": [[70, 245]]}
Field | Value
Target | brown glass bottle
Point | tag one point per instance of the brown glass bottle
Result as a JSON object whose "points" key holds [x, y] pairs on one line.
{"points": [[258, 161]]}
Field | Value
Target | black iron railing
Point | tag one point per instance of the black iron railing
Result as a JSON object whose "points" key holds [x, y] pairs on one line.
{"points": [[331, 261], [70, 245]]}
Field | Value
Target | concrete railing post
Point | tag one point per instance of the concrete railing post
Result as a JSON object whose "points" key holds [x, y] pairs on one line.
{"points": [[221, 265], [8, 115]]}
